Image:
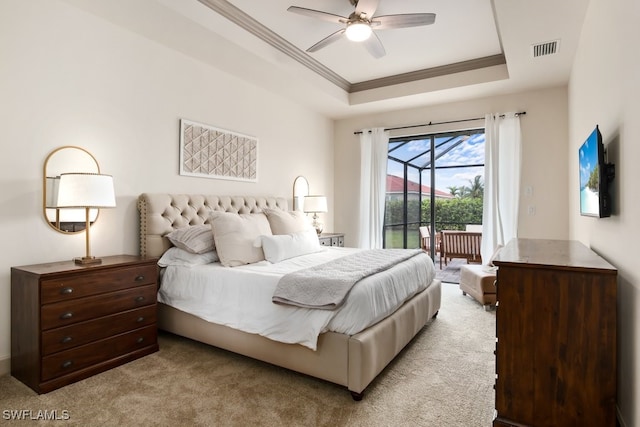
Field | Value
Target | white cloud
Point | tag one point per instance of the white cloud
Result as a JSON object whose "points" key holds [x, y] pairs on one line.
{"points": [[470, 151]]}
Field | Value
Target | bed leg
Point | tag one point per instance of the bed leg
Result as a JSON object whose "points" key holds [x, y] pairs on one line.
{"points": [[435, 314], [357, 396]]}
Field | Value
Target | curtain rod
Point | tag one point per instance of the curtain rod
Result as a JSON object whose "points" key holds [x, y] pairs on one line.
{"points": [[522, 113]]}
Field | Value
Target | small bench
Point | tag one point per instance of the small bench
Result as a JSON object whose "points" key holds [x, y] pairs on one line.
{"points": [[479, 282]]}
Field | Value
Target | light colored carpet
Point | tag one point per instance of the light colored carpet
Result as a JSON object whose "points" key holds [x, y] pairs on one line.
{"points": [[444, 377]]}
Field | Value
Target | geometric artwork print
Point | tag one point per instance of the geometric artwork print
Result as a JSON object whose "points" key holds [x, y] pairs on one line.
{"points": [[209, 152]]}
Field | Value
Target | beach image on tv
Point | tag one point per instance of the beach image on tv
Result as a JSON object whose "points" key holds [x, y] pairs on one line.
{"points": [[589, 176]]}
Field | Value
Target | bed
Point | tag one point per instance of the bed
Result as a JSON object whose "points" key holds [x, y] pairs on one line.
{"points": [[352, 360]]}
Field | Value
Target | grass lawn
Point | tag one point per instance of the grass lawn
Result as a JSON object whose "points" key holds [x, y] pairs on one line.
{"points": [[393, 238]]}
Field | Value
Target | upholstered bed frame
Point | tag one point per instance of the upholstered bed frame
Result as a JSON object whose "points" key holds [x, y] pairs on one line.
{"points": [[352, 361]]}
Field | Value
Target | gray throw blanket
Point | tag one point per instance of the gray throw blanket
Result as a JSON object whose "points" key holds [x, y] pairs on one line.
{"points": [[327, 285]]}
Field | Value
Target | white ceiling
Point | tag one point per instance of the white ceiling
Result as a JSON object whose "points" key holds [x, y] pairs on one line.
{"points": [[474, 48], [469, 36]]}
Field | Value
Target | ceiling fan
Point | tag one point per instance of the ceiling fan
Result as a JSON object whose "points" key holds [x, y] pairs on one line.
{"points": [[360, 24]]}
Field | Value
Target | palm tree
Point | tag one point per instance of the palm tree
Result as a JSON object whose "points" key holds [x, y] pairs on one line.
{"points": [[454, 191], [476, 189]]}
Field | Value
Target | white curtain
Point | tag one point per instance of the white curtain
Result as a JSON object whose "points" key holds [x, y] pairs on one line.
{"points": [[374, 148], [501, 181]]}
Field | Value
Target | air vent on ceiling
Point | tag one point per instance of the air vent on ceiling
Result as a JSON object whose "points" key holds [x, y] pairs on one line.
{"points": [[546, 48]]}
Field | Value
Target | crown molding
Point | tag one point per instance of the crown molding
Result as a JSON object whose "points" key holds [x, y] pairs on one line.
{"points": [[246, 22], [243, 20], [428, 73]]}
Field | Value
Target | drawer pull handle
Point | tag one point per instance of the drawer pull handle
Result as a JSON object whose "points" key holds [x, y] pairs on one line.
{"points": [[66, 339], [139, 299], [140, 319], [139, 340], [139, 278], [66, 291], [67, 315], [67, 364]]}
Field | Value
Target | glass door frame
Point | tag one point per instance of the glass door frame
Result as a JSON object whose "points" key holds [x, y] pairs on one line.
{"points": [[433, 157]]}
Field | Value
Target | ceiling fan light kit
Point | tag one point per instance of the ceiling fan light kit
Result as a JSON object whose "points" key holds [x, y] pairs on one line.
{"points": [[358, 31], [358, 26]]}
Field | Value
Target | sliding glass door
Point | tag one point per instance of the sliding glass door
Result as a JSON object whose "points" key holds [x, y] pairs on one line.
{"points": [[446, 168]]}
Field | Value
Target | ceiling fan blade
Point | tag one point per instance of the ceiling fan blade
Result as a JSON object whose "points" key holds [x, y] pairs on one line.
{"points": [[318, 14], [403, 21], [374, 46], [368, 7], [326, 41]]}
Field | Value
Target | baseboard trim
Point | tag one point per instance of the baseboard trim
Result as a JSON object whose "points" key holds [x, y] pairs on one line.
{"points": [[5, 365]]}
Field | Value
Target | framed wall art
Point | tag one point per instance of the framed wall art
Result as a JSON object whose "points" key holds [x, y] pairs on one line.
{"points": [[210, 152]]}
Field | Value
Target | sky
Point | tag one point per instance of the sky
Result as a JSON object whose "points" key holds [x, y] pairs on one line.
{"points": [[470, 151], [588, 158]]}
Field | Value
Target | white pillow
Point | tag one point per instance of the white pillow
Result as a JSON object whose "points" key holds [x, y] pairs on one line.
{"points": [[234, 235], [196, 239], [283, 222], [178, 256], [284, 246]]}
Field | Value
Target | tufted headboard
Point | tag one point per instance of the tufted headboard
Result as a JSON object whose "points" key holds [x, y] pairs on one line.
{"points": [[161, 213]]}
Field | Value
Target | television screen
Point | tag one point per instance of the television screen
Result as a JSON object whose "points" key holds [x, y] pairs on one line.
{"points": [[590, 175], [595, 175]]}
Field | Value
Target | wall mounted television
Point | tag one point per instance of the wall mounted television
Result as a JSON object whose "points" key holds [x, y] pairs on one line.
{"points": [[595, 175]]}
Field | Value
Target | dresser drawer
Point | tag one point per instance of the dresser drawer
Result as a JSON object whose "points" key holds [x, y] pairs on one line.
{"points": [[70, 312], [331, 239], [87, 355], [96, 282], [68, 337]]}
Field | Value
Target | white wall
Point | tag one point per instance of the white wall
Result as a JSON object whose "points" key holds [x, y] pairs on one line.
{"points": [[604, 90], [544, 155], [70, 78]]}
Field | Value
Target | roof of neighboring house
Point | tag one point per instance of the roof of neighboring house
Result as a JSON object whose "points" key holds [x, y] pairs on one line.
{"points": [[395, 184]]}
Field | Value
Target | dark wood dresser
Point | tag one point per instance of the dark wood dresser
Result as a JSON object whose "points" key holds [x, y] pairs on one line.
{"points": [[69, 322], [556, 335]]}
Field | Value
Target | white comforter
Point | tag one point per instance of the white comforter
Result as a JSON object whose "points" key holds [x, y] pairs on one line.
{"points": [[240, 297]]}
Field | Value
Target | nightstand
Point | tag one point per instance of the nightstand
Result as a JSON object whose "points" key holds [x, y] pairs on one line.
{"points": [[69, 322], [331, 239]]}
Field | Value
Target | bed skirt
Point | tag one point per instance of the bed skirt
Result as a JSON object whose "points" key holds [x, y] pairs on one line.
{"points": [[351, 361]]}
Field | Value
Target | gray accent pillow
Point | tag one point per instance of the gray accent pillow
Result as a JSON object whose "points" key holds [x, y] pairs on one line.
{"points": [[196, 239], [178, 256]]}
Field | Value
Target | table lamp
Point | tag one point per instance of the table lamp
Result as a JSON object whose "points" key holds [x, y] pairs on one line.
{"points": [[315, 204], [87, 191]]}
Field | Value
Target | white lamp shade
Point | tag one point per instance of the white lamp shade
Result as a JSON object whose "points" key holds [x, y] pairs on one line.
{"points": [[315, 204], [358, 31], [63, 215], [85, 190]]}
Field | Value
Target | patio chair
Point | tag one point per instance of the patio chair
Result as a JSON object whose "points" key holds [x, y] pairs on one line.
{"points": [[460, 244], [425, 240]]}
